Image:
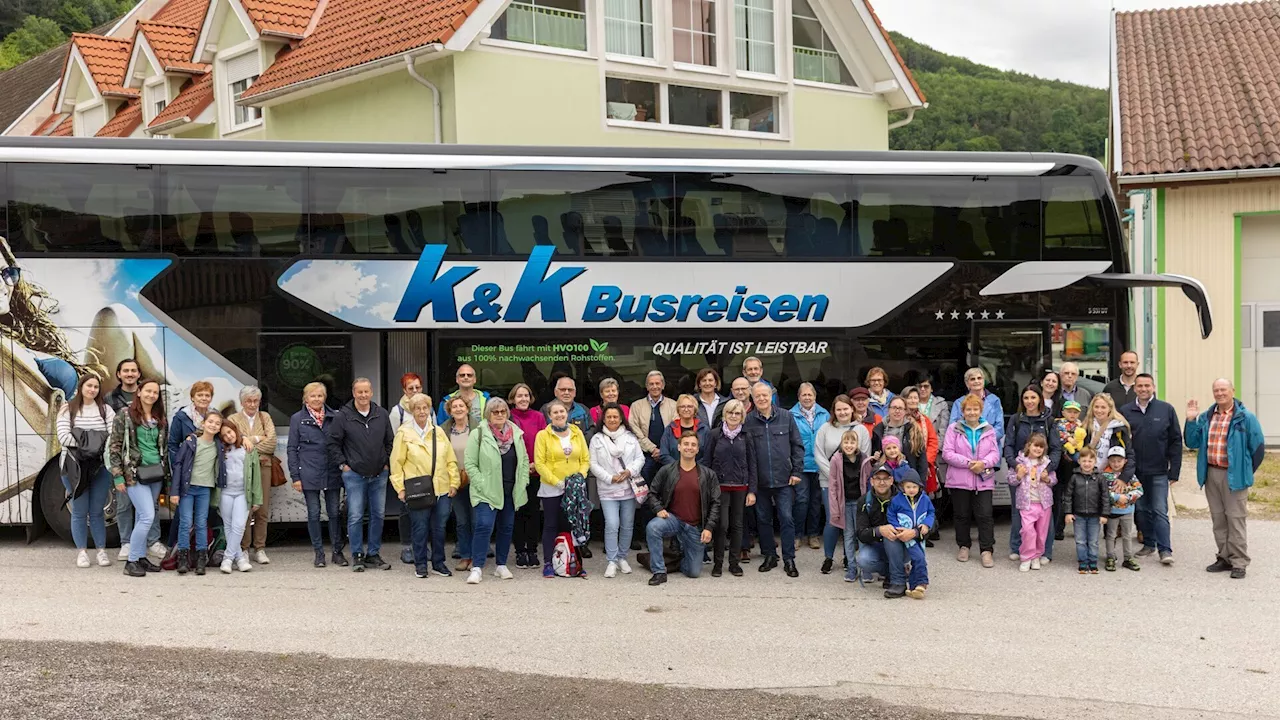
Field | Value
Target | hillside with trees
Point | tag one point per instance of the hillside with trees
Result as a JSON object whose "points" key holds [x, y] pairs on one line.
{"points": [[977, 107], [29, 27]]}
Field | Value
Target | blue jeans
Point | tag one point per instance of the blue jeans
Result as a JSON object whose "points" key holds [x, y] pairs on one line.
{"points": [[125, 519], [88, 512], [432, 520], [362, 491], [784, 499], [144, 499], [831, 533], [1152, 512], [919, 565], [691, 546], [807, 490], [1087, 539], [332, 498], [619, 524], [462, 523], [885, 558], [193, 508], [485, 520]]}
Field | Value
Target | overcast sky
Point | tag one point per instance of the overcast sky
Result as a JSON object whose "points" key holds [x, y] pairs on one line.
{"points": [[1059, 39]]}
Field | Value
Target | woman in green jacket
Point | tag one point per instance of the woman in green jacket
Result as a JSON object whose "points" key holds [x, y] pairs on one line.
{"points": [[498, 465]]}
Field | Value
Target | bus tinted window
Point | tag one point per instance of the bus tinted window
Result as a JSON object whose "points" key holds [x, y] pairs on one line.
{"points": [[397, 211], [964, 217], [1073, 219], [4, 201], [233, 211], [763, 216], [82, 208], [594, 213]]}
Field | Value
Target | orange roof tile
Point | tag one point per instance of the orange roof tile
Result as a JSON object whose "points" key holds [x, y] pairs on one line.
{"points": [[171, 43], [107, 58], [354, 32], [64, 128], [191, 68], [903, 63], [1199, 88], [49, 124], [195, 96], [282, 17], [189, 13], [126, 120]]}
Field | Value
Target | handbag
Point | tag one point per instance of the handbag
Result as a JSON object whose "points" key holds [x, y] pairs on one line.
{"points": [[277, 472], [145, 474], [640, 487], [420, 491]]}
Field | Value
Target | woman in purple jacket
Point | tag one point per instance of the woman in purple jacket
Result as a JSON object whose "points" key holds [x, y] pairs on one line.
{"points": [[972, 452]]}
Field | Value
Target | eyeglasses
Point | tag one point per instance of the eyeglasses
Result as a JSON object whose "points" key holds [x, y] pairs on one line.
{"points": [[461, 375], [732, 412], [11, 275]]}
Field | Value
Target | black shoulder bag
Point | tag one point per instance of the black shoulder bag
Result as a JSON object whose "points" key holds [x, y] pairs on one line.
{"points": [[420, 491]]}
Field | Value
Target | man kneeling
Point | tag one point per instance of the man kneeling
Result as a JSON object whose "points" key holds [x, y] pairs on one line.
{"points": [[685, 500], [882, 553]]}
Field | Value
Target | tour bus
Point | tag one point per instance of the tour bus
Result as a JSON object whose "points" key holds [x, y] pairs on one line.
{"points": [[279, 264]]}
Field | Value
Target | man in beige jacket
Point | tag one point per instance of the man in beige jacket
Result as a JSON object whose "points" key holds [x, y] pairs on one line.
{"points": [[650, 416], [259, 432]]}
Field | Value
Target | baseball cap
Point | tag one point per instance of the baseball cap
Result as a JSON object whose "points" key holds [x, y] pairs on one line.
{"points": [[1071, 405], [883, 469], [1116, 451]]}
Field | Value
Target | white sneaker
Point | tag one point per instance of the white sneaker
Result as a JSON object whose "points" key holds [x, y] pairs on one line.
{"points": [[502, 573], [611, 570], [1046, 560], [82, 559], [1024, 567], [226, 566], [260, 557], [626, 569], [475, 577], [242, 564], [104, 560], [1014, 556], [124, 552], [157, 550], [1035, 564]]}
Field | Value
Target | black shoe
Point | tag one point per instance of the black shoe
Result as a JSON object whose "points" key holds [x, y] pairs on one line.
{"points": [[406, 555], [1219, 565], [789, 567], [339, 559], [735, 570], [885, 584], [147, 565], [635, 545], [928, 543], [717, 570], [490, 555], [320, 559], [184, 562], [895, 591], [133, 569], [768, 563], [1237, 573], [846, 563], [826, 566], [421, 572], [375, 562], [456, 555], [706, 558], [584, 551], [357, 562], [202, 561], [658, 579], [442, 570], [520, 558]]}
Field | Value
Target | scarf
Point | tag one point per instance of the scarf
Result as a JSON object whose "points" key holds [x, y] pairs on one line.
{"points": [[504, 436], [926, 406], [677, 428], [559, 428], [195, 416], [809, 415], [731, 434], [612, 440], [881, 399], [317, 415]]}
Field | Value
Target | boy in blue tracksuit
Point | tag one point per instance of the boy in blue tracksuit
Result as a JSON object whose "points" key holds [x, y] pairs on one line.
{"points": [[911, 512]]}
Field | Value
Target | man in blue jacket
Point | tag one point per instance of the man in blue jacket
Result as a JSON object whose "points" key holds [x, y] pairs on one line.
{"points": [[1230, 447], [779, 467], [1157, 448]]}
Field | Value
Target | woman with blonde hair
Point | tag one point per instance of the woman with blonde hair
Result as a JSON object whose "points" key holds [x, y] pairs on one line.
{"points": [[560, 452], [686, 421], [1106, 428], [422, 448], [312, 473]]}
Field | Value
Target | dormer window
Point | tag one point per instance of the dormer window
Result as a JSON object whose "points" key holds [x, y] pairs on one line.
{"points": [[240, 73]]}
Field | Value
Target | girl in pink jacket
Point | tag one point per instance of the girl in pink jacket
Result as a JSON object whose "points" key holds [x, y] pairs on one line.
{"points": [[1032, 484]]}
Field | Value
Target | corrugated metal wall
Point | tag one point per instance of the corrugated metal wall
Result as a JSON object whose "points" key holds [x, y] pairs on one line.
{"points": [[1199, 240]]}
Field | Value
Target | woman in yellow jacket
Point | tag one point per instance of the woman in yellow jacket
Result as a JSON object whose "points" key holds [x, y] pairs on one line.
{"points": [[559, 451], [416, 443]]}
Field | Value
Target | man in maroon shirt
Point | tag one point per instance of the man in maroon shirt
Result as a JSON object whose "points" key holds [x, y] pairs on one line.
{"points": [[685, 500]]}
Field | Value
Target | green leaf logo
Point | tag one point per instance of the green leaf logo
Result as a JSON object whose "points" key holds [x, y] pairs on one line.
{"points": [[599, 347]]}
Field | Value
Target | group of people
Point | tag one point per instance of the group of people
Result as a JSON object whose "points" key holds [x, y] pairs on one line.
{"points": [[704, 476]]}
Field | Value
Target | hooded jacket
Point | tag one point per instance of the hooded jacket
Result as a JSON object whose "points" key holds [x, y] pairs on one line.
{"points": [[779, 449], [733, 460], [1115, 433], [959, 448], [307, 452], [809, 431], [483, 461], [1022, 427], [669, 447], [919, 461], [663, 488], [827, 443], [1021, 487], [873, 512], [992, 412], [184, 463], [906, 513], [361, 442], [413, 456], [846, 489], [1246, 446], [1087, 495]]}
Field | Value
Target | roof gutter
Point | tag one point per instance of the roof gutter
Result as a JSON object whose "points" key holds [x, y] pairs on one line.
{"points": [[911, 115], [1207, 176], [389, 61], [435, 96]]}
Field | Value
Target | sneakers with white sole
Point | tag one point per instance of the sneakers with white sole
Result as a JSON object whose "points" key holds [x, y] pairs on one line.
{"points": [[157, 550], [226, 566], [104, 560], [1014, 556], [82, 559], [611, 570], [475, 577], [624, 567], [1035, 564], [124, 552], [242, 564], [1025, 567], [260, 557], [502, 573]]}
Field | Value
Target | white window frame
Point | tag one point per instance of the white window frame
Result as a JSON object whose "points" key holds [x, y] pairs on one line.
{"points": [[627, 26], [795, 45], [776, 38], [664, 123], [228, 97], [153, 91], [591, 11], [78, 114], [717, 64]]}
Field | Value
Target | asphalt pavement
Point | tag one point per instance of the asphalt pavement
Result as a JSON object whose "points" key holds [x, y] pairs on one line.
{"points": [[1165, 642]]}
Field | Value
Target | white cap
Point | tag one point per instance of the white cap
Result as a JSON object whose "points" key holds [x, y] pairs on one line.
{"points": [[1116, 451]]}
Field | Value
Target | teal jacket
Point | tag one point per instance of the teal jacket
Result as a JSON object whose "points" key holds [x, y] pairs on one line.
{"points": [[1246, 446]]}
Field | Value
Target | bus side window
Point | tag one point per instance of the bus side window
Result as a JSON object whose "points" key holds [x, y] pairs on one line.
{"points": [[1073, 226], [240, 211], [82, 208]]}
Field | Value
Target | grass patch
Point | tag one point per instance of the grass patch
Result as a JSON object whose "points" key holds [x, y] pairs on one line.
{"points": [[1266, 484]]}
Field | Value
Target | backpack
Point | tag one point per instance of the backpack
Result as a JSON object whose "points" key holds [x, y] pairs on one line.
{"points": [[564, 561]]}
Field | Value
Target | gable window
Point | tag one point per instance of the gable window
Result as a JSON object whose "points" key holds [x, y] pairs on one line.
{"points": [[156, 98], [553, 23], [693, 31], [753, 26], [816, 58], [628, 27], [241, 72]]}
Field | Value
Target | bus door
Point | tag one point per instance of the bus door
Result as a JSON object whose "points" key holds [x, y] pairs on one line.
{"points": [[1011, 354]]}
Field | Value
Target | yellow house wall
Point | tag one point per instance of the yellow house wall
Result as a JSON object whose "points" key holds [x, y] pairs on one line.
{"points": [[231, 32], [1199, 240]]}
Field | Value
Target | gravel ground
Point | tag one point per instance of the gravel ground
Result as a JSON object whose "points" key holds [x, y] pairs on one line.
{"points": [[50, 680]]}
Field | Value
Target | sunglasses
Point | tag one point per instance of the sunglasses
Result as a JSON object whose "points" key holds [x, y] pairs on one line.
{"points": [[11, 275]]}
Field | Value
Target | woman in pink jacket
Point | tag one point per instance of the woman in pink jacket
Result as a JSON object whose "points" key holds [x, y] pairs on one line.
{"points": [[972, 453]]}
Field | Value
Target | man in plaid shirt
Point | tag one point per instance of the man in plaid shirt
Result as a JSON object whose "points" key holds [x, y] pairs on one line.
{"points": [[1230, 447]]}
